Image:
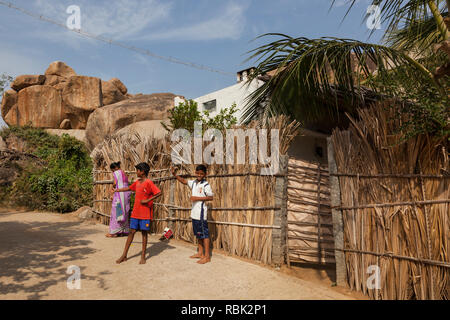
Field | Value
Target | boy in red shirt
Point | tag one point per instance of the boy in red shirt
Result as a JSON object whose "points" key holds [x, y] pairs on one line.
{"points": [[142, 213]]}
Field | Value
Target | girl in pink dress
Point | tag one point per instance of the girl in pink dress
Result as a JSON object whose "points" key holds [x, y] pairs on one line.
{"points": [[119, 224]]}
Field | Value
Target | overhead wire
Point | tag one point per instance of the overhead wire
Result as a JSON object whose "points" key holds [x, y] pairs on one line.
{"points": [[116, 43]]}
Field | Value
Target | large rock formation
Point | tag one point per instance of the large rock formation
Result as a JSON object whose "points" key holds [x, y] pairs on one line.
{"points": [[148, 128], [58, 99], [50, 111], [24, 81], [81, 95], [111, 93], [107, 120], [117, 83], [9, 101], [61, 69], [77, 134]]}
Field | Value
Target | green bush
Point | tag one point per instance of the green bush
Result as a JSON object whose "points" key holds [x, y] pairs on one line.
{"points": [[64, 184], [185, 114]]}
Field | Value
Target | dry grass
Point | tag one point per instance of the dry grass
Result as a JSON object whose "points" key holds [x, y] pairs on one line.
{"points": [[420, 231], [243, 191]]}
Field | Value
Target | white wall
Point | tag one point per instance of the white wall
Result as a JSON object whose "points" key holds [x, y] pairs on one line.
{"points": [[226, 97]]}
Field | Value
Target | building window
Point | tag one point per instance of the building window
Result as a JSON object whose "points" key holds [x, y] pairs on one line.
{"points": [[210, 106]]}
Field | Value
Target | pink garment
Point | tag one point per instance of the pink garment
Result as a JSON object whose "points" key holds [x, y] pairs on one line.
{"points": [[120, 202]]}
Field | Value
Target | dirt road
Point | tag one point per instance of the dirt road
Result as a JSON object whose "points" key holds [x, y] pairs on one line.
{"points": [[37, 248]]}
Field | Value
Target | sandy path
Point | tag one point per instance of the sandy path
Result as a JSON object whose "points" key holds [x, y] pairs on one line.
{"points": [[37, 248]]}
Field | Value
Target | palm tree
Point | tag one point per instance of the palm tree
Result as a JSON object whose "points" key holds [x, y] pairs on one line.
{"points": [[318, 80]]}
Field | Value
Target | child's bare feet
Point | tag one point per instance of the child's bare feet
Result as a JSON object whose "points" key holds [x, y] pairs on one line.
{"points": [[143, 261], [121, 259], [204, 260], [196, 256]]}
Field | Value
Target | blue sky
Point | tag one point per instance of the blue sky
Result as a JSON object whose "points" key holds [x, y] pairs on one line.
{"points": [[215, 33]]}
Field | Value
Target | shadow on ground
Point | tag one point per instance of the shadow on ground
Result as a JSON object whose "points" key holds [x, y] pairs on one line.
{"points": [[42, 251], [153, 249]]}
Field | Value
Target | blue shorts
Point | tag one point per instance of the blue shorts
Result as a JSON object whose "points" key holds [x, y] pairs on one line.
{"points": [[139, 224], [200, 228]]}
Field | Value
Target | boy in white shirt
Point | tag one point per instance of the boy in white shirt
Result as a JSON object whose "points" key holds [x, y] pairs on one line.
{"points": [[201, 192]]}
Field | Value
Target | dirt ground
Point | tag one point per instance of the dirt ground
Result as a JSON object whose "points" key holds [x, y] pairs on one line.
{"points": [[36, 250]]}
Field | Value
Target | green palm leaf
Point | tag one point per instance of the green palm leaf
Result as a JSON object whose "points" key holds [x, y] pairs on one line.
{"points": [[323, 77], [419, 35]]}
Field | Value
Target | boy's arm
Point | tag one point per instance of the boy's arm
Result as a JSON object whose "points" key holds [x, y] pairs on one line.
{"points": [[193, 198], [151, 199], [209, 195], [121, 190], [182, 180]]}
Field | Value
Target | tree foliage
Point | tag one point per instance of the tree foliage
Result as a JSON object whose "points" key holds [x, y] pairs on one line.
{"points": [[186, 113], [5, 80], [314, 79], [63, 185]]}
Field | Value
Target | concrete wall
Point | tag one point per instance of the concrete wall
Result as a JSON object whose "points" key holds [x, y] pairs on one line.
{"points": [[236, 93]]}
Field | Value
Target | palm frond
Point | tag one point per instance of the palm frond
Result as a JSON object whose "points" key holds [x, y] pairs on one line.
{"points": [[419, 35], [320, 77], [395, 12]]}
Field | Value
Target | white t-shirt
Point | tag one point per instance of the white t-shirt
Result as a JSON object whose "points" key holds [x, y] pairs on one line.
{"points": [[199, 189]]}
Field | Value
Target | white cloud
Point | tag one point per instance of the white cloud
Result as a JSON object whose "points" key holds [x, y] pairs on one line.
{"points": [[229, 23], [117, 19], [143, 20]]}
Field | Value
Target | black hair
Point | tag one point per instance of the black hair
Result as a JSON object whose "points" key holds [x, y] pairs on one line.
{"points": [[115, 165], [143, 166], [201, 167]]}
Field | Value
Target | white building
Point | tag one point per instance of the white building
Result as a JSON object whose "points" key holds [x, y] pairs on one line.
{"points": [[224, 98], [309, 145]]}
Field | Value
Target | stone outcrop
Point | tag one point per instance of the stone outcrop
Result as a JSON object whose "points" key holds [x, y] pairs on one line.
{"points": [[59, 68], [149, 128], [76, 133], [108, 119], [65, 124], [9, 101], [111, 93], [24, 81], [60, 99], [48, 115], [81, 95], [52, 80], [84, 213], [117, 83]]}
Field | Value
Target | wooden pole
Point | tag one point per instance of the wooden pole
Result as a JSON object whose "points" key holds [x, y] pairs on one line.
{"points": [[319, 244], [288, 260], [172, 202], [338, 224], [280, 218]]}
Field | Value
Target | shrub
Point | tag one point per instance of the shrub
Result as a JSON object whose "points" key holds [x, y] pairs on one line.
{"points": [[185, 114], [64, 185]]}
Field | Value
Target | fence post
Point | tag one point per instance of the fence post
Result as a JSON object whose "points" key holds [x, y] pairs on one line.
{"points": [[338, 224], [280, 216], [171, 201]]}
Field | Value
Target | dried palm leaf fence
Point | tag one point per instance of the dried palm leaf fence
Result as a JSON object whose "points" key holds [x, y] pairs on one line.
{"points": [[245, 216], [393, 201]]}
